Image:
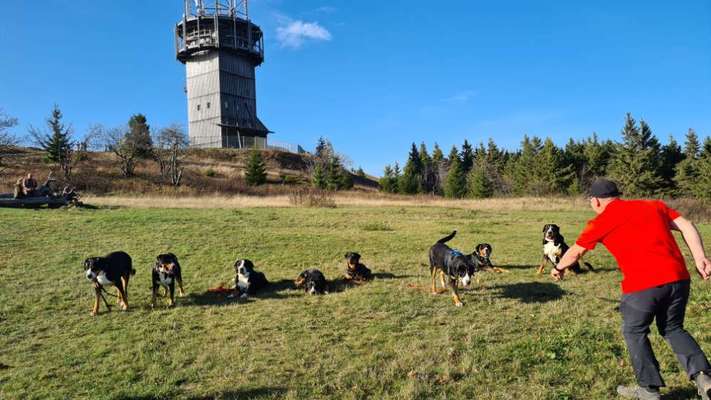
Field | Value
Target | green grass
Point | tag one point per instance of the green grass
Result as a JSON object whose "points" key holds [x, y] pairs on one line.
{"points": [[518, 336]]}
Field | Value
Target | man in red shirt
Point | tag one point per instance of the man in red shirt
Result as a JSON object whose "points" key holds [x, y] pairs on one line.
{"points": [[655, 282]]}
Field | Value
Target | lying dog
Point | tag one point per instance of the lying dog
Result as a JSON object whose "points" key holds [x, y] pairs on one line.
{"points": [[482, 257], [115, 269], [313, 282], [248, 281], [452, 263], [355, 271], [166, 273], [554, 247]]}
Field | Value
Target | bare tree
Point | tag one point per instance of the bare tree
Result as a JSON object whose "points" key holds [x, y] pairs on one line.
{"points": [[118, 142], [7, 140], [172, 143]]}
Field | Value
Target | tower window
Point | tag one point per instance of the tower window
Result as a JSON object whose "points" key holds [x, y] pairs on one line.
{"points": [[198, 107], [227, 105], [208, 104]]}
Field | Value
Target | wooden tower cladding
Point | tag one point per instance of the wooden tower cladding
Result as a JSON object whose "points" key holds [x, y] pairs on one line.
{"points": [[221, 49]]}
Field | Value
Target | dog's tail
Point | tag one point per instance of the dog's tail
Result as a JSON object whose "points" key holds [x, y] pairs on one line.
{"points": [[447, 238], [133, 272], [590, 267]]}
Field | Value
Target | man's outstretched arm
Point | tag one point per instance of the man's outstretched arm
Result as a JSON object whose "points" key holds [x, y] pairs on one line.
{"points": [[574, 253], [696, 245]]}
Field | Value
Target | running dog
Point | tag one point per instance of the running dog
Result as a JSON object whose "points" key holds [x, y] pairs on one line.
{"points": [[452, 263], [355, 271], [554, 247], [114, 269], [166, 273]]}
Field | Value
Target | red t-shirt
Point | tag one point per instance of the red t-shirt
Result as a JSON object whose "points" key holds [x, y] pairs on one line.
{"points": [[638, 234]]}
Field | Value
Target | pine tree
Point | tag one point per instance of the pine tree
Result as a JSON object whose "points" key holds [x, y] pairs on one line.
{"points": [[671, 157], [456, 183], [692, 147], [139, 136], [551, 175], [256, 173], [467, 157], [437, 155], [319, 177], [429, 170], [635, 165], [411, 179], [480, 184], [523, 167], [57, 144], [702, 187], [388, 183]]}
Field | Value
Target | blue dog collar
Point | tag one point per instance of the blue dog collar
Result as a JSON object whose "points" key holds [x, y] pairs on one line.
{"points": [[456, 253]]}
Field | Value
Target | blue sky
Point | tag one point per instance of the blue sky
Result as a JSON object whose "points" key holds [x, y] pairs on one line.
{"points": [[374, 76]]}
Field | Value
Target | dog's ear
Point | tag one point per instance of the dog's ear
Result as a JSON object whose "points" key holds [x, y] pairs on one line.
{"points": [[348, 255], [356, 255], [545, 227]]}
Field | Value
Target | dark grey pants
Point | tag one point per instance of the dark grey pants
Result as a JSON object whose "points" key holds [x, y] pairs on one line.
{"points": [[666, 304]]}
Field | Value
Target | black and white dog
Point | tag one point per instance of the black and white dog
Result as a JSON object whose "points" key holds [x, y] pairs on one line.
{"points": [[312, 281], [554, 247], [114, 269], [248, 281], [166, 273], [355, 271], [451, 263]]}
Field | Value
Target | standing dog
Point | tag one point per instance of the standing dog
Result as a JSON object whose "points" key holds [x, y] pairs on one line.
{"points": [[355, 271], [313, 282], [554, 247], [166, 273], [452, 263], [115, 269], [482, 254], [248, 281]]}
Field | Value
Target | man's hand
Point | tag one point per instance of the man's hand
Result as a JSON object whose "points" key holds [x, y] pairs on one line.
{"points": [[557, 274], [704, 268]]}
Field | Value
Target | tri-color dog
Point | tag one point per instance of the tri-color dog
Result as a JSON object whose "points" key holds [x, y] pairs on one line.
{"points": [[355, 271], [248, 281], [482, 255], [554, 247], [312, 281], [115, 269], [166, 273], [451, 263]]}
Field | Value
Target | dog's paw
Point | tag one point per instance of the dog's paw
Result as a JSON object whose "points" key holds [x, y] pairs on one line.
{"points": [[244, 296], [459, 304]]}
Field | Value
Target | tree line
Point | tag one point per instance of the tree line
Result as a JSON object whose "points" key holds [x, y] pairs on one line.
{"points": [[641, 165]]}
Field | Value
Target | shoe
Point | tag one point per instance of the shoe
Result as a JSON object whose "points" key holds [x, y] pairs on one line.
{"points": [[703, 382], [637, 392]]}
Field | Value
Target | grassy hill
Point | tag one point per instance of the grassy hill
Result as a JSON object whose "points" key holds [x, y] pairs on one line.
{"points": [[206, 172], [519, 335]]}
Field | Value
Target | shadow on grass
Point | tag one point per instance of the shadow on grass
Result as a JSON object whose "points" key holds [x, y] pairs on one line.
{"points": [[274, 289], [388, 275], [210, 299], [531, 267], [681, 394], [530, 292], [247, 394]]}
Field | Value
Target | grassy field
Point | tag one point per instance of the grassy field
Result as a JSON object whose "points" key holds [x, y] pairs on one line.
{"points": [[519, 336]]}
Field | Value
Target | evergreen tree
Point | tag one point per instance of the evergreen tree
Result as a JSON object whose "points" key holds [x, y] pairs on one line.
{"points": [[429, 171], [480, 184], [324, 149], [456, 183], [522, 169], [410, 181], [388, 183], [139, 136], [256, 173], [467, 157], [57, 144], [692, 147], [635, 165], [551, 175], [437, 155], [671, 157], [319, 177]]}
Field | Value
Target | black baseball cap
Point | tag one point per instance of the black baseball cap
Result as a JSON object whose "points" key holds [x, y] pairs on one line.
{"points": [[604, 188]]}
